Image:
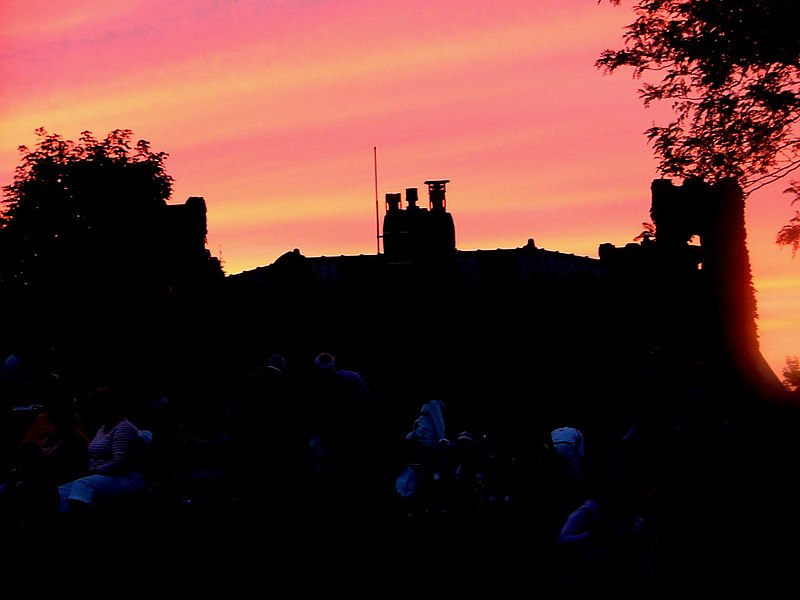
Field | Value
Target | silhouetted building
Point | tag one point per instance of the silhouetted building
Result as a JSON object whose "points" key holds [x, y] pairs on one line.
{"points": [[190, 268], [416, 233], [522, 322]]}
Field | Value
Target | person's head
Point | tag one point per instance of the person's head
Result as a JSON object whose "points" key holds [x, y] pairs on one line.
{"points": [[107, 404], [325, 361], [277, 361]]}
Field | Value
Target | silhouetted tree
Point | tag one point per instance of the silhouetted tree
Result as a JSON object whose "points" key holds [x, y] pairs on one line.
{"points": [[72, 204], [79, 250], [648, 232], [791, 373], [732, 73], [789, 235]]}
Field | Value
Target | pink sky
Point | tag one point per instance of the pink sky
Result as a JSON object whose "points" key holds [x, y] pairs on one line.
{"points": [[271, 110]]}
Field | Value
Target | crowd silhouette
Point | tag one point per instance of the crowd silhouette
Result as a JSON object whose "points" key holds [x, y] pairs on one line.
{"points": [[674, 492]]}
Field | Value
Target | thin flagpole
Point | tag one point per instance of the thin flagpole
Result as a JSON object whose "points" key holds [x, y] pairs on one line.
{"points": [[377, 220]]}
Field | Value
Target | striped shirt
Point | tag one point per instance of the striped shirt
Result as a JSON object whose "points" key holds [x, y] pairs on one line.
{"points": [[115, 451]]}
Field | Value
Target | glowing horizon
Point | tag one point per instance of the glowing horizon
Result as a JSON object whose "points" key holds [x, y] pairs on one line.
{"points": [[271, 110]]}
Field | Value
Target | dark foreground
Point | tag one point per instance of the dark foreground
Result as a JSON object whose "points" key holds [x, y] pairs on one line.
{"points": [[312, 545]]}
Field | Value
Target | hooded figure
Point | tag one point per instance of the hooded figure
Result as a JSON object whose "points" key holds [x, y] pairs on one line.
{"points": [[426, 442], [429, 427]]}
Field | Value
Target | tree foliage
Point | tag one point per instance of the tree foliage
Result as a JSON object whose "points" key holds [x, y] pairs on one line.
{"points": [[648, 232], [731, 71], [72, 204], [95, 263], [791, 373], [81, 240], [789, 235]]}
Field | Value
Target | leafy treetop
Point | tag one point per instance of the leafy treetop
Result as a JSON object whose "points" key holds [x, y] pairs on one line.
{"points": [[731, 71], [60, 176], [79, 205]]}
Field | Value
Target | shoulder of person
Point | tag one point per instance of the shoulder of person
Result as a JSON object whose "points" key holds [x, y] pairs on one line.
{"points": [[127, 427]]}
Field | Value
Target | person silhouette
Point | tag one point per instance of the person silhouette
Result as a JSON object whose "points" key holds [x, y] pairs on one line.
{"points": [[52, 452], [339, 430], [115, 467]]}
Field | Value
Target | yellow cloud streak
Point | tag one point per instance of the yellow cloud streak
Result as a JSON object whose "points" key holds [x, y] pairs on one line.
{"points": [[779, 284]]}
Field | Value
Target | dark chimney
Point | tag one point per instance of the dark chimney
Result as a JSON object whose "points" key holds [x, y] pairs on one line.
{"points": [[436, 193], [393, 201], [412, 197]]}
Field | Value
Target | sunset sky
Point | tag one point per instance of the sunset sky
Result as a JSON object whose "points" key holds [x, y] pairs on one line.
{"points": [[272, 111]]}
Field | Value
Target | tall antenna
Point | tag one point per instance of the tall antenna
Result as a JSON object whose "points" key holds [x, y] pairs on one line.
{"points": [[377, 224]]}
